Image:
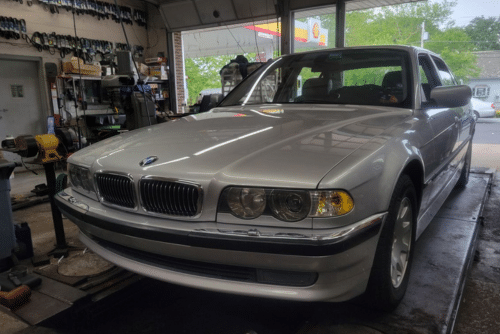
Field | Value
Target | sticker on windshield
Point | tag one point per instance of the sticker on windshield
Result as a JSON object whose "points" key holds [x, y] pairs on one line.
{"points": [[335, 55]]}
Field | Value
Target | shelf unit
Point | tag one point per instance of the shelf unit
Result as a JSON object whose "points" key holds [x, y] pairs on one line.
{"points": [[160, 91]]}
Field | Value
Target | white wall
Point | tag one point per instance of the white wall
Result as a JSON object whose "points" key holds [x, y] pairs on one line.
{"points": [[157, 33]]}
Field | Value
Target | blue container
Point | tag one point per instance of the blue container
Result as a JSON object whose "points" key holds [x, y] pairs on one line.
{"points": [[50, 125]]}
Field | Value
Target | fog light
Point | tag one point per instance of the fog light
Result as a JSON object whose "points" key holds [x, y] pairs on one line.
{"points": [[286, 278]]}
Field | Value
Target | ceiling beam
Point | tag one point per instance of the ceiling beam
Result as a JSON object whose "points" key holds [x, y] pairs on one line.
{"points": [[340, 24]]}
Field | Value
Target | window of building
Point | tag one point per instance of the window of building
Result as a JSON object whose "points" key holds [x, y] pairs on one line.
{"points": [[481, 91], [314, 29]]}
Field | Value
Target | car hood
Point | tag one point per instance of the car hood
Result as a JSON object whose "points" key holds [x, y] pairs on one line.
{"points": [[277, 145]]}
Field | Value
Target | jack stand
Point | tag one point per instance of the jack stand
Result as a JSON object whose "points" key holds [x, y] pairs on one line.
{"points": [[58, 252], [62, 248]]}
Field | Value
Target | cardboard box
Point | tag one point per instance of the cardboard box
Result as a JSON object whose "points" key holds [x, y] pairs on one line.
{"points": [[74, 67], [159, 72], [156, 60], [143, 69]]}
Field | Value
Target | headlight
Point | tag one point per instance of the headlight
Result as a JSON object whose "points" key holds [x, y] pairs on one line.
{"points": [[246, 202], [284, 204], [289, 205], [80, 177]]}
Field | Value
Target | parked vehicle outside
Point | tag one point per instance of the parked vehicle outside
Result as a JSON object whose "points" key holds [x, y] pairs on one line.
{"points": [[482, 109], [317, 196]]}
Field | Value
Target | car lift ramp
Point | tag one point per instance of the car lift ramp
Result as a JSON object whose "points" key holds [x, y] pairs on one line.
{"points": [[443, 256]]}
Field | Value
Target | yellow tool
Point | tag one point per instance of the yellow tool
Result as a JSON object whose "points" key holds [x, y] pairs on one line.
{"points": [[15, 298], [47, 148]]}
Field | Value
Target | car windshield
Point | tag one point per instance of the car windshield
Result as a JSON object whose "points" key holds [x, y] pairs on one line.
{"points": [[363, 77]]}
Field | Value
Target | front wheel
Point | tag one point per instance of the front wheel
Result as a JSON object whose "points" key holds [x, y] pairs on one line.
{"points": [[391, 268]]}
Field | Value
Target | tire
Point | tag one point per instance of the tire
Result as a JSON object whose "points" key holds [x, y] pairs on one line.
{"points": [[477, 115], [391, 267], [464, 175]]}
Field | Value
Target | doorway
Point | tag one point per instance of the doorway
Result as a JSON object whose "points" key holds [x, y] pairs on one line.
{"points": [[21, 109]]}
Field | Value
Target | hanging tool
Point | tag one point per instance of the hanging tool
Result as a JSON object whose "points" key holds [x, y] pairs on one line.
{"points": [[53, 6], [36, 40], [23, 30]]}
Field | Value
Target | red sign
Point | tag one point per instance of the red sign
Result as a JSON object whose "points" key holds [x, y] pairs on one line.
{"points": [[316, 30]]}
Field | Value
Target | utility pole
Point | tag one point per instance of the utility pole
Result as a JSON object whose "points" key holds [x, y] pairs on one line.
{"points": [[422, 35]]}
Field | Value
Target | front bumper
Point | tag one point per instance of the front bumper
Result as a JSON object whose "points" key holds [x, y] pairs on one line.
{"points": [[201, 254]]}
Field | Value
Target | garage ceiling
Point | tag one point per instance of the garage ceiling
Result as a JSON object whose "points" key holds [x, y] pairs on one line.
{"points": [[181, 15]]}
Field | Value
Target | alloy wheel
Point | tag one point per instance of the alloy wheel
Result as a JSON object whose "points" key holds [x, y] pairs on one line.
{"points": [[401, 243]]}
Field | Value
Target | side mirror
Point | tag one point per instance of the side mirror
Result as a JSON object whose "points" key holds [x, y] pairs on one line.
{"points": [[215, 99], [451, 96]]}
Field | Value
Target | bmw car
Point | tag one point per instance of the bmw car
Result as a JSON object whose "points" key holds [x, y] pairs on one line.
{"points": [[311, 181]]}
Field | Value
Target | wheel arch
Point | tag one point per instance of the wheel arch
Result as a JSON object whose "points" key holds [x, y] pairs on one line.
{"points": [[415, 172]]}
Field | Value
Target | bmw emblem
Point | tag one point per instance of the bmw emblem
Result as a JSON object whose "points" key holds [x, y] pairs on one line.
{"points": [[148, 161]]}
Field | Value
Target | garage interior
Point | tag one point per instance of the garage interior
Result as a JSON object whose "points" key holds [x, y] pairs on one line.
{"points": [[75, 98]]}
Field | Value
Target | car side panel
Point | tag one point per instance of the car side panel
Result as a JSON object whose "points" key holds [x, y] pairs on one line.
{"points": [[374, 168], [445, 134]]}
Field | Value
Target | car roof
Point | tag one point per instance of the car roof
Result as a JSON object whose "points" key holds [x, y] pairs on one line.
{"points": [[408, 48]]}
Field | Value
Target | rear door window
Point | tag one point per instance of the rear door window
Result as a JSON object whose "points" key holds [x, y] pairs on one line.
{"points": [[428, 76], [445, 74]]}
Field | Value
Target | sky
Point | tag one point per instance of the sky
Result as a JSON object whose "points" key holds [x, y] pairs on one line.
{"points": [[466, 10]]}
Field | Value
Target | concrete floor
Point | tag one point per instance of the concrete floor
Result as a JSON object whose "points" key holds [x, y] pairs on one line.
{"points": [[480, 308]]}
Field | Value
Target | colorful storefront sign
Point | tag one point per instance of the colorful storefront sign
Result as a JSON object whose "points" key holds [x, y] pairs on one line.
{"points": [[307, 32]]}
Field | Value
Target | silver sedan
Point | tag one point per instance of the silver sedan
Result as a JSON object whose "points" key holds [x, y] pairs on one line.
{"points": [[482, 109], [311, 181]]}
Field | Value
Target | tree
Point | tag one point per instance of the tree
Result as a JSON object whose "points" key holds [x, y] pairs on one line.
{"points": [[399, 24], [455, 46], [402, 24], [203, 73], [484, 33]]}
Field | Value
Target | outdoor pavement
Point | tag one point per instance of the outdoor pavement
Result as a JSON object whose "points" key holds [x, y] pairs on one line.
{"points": [[488, 120]]}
